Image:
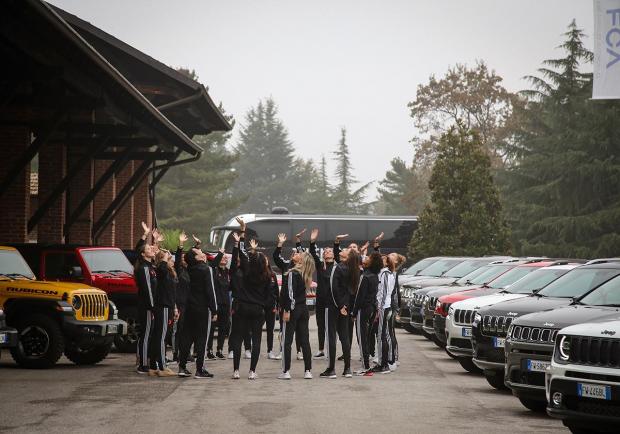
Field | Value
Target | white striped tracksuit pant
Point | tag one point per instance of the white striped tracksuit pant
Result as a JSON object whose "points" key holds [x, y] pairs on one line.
{"points": [[384, 337], [157, 344]]}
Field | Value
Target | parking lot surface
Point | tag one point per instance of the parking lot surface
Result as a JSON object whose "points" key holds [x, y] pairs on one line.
{"points": [[428, 393]]}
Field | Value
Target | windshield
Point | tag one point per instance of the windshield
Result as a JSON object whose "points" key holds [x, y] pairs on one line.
{"points": [[419, 266], [217, 239], [608, 294], [101, 261], [579, 281], [441, 266], [12, 265], [510, 277], [490, 273], [536, 280], [466, 267], [468, 277]]}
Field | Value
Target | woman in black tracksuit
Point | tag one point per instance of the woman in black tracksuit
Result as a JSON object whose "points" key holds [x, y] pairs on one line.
{"points": [[296, 315], [222, 283], [180, 267], [271, 308], [248, 306], [146, 280], [365, 307], [163, 311]]}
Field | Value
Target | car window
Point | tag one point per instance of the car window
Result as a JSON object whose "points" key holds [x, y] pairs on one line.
{"points": [[438, 268], [578, 282], [11, 262], [469, 277], [536, 280], [491, 273], [510, 277], [466, 267], [606, 294], [59, 265], [419, 266], [102, 261]]}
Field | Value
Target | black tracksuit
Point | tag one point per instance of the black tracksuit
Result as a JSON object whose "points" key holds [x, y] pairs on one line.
{"points": [[201, 305], [146, 280], [395, 306], [222, 283], [364, 310], [294, 302], [181, 300], [248, 311], [284, 265], [270, 310], [164, 306], [323, 273], [335, 321]]}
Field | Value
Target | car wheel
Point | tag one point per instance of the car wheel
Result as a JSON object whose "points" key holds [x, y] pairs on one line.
{"points": [[426, 335], [127, 343], [534, 405], [437, 342], [40, 344], [451, 355], [579, 429], [468, 364], [88, 355], [495, 379], [410, 328]]}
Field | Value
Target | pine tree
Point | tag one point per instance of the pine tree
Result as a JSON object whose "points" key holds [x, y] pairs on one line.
{"points": [[346, 199], [399, 190], [464, 216], [563, 192]]}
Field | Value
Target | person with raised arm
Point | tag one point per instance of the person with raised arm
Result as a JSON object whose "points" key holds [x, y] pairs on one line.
{"points": [[180, 267], [146, 280], [251, 296]]}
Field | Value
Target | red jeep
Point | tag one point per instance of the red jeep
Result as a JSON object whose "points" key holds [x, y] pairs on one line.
{"points": [[106, 268]]}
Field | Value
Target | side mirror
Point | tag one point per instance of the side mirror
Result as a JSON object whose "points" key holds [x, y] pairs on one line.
{"points": [[76, 273]]}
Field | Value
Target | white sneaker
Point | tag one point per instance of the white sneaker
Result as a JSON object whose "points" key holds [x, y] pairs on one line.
{"points": [[398, 363], [278, 357], [248, 354], [231, 355], [271, 356], [319, 355], [392, 366], [375, 360], [235, 375], [300, 356], [307, 375], [252, 375], [284, 376]]}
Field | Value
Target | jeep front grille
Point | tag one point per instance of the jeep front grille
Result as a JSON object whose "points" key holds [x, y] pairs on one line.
{"points": [[93, 306], [538, 335], [432, 302], [493, 325], [594, 351], [464, 317]]}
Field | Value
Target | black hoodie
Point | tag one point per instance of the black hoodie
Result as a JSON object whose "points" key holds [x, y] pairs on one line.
{"points": [[293, 290], [247, 292], [202, 296], [323, 275], [166, 286], [146, 279], [339, 290], [183, 286], [367, 293]]}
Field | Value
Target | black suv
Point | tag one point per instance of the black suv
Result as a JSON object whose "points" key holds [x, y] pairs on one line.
{"points": [[491, 323]]}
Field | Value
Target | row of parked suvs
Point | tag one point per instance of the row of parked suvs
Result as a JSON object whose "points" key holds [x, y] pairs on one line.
{"points": [[547, 329]]}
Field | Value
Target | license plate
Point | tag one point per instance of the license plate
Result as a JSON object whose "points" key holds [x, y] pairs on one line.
{"points": [[310, 301], [466, 332], [112, 329], [537, 365], [499, 342], [4, 338], [594, 391]]}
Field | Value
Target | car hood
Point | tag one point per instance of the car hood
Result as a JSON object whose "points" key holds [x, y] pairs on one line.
{"points": [[524, 305], [596, 329], [486, 300], [566, 316], [470, 293], [450, 290]]}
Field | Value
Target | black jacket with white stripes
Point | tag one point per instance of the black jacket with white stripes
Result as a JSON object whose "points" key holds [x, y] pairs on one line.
{"points": [[293, 290], [146, 280], [202, 296], [166, 286], [339, 289], [366, 296]]}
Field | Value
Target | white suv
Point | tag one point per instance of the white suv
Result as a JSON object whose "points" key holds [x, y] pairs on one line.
{"points": [[583, 382], [461, 314]]}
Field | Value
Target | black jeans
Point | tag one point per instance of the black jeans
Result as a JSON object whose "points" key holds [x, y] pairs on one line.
{"points": [[157, 344], [270, 322], [247, 318], [298, 326], [196, 329], [145, 319], [363, 324], [335, 322], [223, 312], [177, 332], [320, 323]]}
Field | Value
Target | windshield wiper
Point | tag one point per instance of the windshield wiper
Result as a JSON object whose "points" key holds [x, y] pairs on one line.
{"points": [[17, 274], [120, 271], [8, 276]]}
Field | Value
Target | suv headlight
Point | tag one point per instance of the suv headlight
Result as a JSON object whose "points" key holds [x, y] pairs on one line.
{"points": [[76, 302], [450, 313], [477, 318], [564, 349]]}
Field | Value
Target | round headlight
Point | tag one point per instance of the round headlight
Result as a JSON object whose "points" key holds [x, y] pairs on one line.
{"points": [[76, 302], [557, 399], [564, 348], [477, 318]]}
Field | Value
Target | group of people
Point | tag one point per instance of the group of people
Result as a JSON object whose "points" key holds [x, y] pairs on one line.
{"points": [[355, 290]]}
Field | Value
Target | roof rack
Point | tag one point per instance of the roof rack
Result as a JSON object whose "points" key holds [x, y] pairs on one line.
{"points": [[602, 261]]}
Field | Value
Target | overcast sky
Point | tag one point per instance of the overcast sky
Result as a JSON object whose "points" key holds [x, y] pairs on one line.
{"points": [[336, 63]]}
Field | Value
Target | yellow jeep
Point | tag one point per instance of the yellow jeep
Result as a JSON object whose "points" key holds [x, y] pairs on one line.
{"points": [[53, 318]]}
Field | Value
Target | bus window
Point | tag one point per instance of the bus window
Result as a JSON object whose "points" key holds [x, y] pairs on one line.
{"points": [[266, 232], [357, 230]]}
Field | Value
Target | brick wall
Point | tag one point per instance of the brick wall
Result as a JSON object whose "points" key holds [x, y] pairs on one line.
{"points": [[102, 200], [142, 207], [81, 184], [124, 233], [15, 202], [52, 168]]}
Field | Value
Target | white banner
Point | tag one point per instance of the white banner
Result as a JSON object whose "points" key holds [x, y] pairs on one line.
{"points": [[606, 49]]}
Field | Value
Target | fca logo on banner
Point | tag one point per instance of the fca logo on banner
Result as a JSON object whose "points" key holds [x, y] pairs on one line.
{"points": [[613, 37]]}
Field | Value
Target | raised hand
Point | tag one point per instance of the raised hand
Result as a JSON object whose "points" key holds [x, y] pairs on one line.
{"points": [[241, 223], [379, 237], [340, 237], [182, 238], [314, 235], [236, 237], [197, 241], [299, 234], [253, 244], [146, 229], [157, 236], [222, 250], [281, 239], [364, 248]]}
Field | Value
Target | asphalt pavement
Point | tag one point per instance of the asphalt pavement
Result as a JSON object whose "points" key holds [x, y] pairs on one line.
{"points": [[428, 393]]}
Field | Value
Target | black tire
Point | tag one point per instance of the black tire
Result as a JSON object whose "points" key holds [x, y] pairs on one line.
{"points": [[41, 342], [450, 355], [87, 355], [579, 429], [495, 379], [128, 343], [437, 342], [426, 335], [410, 328], [468, 364], [534, 405]]}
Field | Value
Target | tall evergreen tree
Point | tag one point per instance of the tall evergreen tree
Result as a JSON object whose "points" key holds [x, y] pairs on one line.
{"points": [[346, 199], [464, 216], [563, 192], [393, 188], [267, 172], [317, 195]]}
